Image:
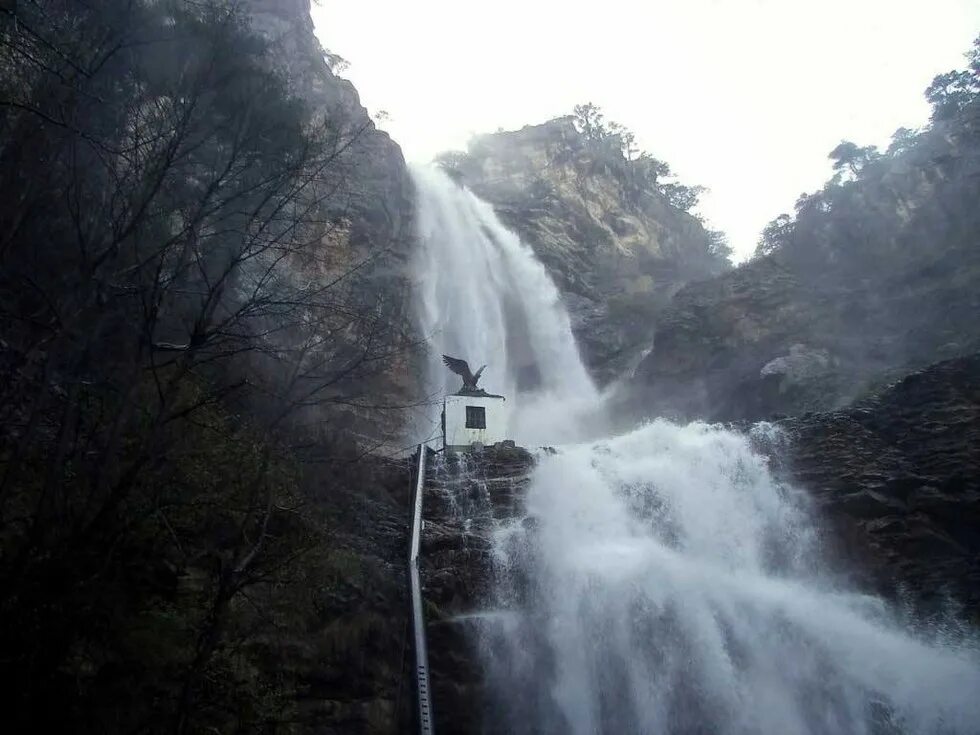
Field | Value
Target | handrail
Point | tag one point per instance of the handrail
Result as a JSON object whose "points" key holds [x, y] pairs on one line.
{"points": [[418, 616]]}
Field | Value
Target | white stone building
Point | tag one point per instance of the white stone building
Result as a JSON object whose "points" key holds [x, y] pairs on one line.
{"points": [[468, 420]]}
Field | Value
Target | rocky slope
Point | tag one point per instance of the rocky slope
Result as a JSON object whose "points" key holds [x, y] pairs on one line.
{"points": [[899, 473], [615, 247], [379, 206]]}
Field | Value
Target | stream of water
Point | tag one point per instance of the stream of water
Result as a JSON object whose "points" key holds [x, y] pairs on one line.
{"points": [[669, 584], [484, 297]]}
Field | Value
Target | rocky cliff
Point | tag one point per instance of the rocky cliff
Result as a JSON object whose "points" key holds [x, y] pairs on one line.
{"points": [[769, 339], [615, 246], [370, 201], [379, 201]]}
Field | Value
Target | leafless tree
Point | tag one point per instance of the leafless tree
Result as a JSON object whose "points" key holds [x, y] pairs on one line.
{"points": [[175, 262]]}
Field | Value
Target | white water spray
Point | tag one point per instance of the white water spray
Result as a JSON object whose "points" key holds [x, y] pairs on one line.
{"points": [[484, 297], [667, 583]]}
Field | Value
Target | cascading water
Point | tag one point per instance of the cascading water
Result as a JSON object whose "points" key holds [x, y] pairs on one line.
{"points": [[484, 297], [672, 586], [661, 581]]}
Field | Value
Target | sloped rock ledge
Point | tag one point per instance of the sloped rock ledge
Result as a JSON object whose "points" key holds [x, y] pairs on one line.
{"points": [[899, 476]]}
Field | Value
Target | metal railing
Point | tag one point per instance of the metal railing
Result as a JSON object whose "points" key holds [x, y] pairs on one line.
{"points": [[418, 616]]}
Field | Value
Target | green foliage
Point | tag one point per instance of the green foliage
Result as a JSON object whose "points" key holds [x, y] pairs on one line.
{"points": [[651, 171], [453, 163], [852, 157], [897, 201], [775, 235], [902, 140], [681, 197], [719, 249], [590, 121], [952, 93], [625, 138]]}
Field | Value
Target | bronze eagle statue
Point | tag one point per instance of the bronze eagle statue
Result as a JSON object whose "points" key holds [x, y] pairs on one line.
{"points": [[462, 369]]}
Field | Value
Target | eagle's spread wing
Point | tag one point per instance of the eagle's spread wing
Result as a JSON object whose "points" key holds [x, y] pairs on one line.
{"points": [[460, 367], [478, 373]]}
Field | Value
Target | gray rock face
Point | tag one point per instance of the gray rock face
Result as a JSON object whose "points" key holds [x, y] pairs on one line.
{"points": [[371, 208], [379, 201], [899, 475], [615, 248]]}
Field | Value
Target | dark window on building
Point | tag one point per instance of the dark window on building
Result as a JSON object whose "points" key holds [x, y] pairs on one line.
{"points": [[476, 417]]}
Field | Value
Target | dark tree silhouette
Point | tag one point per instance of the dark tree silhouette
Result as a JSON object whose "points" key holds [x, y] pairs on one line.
{"points": [[180, 308]]}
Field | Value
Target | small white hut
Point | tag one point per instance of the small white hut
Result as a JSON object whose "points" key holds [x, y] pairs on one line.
{"points": [[468, 420], [471, 416]]}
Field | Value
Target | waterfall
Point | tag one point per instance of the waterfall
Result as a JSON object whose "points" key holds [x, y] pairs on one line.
{"points": [[484, 297], [666, 581]]}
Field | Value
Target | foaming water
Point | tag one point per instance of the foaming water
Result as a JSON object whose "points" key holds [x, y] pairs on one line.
{"points": [[672, 586], [660, 581]]}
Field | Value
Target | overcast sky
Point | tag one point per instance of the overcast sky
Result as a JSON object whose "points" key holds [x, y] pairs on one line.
{"points": [[745, 97]]}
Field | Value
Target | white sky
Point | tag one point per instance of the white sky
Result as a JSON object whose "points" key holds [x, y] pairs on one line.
{"points": [[745, 97]]}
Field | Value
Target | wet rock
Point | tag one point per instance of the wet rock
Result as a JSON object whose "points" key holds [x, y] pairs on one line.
{"points": [[899, 473], [467, 497]]}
